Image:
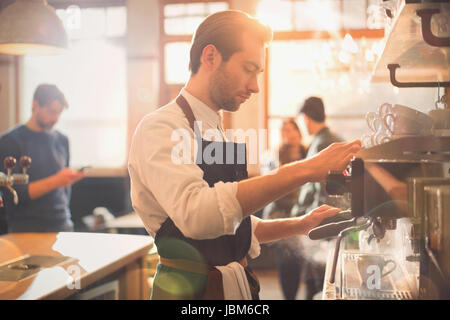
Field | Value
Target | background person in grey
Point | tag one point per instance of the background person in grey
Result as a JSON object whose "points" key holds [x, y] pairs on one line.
{"points": [[44, 201], [313, 194]]}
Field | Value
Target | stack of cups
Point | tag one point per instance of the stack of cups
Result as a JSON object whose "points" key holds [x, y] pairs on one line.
{"points": [[393, 122]]}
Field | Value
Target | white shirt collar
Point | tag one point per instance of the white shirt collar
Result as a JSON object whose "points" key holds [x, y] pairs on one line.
{"points": [[202, 112]]}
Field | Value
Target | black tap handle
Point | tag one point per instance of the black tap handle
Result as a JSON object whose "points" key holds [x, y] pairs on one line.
{"points": [[330, 230]]}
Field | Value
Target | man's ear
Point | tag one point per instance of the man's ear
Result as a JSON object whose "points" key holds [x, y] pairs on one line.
{"points": [[211, 57], [35, 105]]}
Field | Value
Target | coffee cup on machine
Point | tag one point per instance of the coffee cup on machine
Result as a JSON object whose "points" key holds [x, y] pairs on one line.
{"points": [[373, 121], [372, 268], [407, 121], [384, 109], [441, 118]]}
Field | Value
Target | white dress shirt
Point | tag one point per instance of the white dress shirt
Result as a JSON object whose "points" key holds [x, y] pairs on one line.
{"points": [[162, 187]]}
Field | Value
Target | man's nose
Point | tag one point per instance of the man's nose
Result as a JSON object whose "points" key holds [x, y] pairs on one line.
{"points": [[253, 86]]}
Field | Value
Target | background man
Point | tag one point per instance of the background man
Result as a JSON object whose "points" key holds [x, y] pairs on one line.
{"points": [[44, 201]]}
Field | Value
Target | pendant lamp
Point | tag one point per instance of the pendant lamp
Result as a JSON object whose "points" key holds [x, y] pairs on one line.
{"points": [[31, 27]]}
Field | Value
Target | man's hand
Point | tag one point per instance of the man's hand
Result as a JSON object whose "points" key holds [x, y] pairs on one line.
{"points": [[63, 178], [335, 157], [315, 217], [276, 229], [66, 177]]}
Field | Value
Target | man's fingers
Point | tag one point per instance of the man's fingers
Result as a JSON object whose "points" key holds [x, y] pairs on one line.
{"points": [[354, 146], [329, 212]]}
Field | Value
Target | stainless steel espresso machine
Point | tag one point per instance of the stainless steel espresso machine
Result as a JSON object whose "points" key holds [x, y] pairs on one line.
{"points": [[394, 243]]}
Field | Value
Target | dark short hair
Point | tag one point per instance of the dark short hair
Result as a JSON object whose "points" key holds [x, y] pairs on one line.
{"points": [[224, 30], [46, 93], [313, 107]]}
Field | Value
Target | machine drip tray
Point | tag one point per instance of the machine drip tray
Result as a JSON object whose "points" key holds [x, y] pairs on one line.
{"points": [[393, 286], [27, 266]]}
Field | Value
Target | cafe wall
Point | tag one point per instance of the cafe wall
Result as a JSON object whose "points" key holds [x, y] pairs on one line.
{"points": [[7, 93]]}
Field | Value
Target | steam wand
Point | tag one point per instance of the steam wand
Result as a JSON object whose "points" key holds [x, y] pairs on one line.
{"points": [[341, 235]]}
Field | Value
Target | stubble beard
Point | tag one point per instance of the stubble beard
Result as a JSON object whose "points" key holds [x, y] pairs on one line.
{"points": [[220, 92], [44, 126]]}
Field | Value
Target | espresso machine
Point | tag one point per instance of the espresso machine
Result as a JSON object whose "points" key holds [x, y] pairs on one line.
{"points": [[394, 243]]}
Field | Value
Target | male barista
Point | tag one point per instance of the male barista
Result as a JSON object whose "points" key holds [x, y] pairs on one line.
{"points": [[44, 201], [200, 211]]}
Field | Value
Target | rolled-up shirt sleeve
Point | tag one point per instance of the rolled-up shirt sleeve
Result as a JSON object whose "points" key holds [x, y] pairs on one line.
{"points": [[255, 246], [199, 211]]}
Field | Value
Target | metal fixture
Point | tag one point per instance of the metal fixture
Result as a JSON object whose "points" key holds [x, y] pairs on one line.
{"points": [[11, 179], [31, 27]]}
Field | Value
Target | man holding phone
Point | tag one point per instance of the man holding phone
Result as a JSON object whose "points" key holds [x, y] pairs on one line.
{"points": [[44, 201]]}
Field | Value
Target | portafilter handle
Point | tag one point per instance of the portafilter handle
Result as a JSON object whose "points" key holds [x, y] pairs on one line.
{"points": [[330, 227], [330, 230]]}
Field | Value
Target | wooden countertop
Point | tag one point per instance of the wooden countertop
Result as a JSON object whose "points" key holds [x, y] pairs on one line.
{"points": [[95, 255]]}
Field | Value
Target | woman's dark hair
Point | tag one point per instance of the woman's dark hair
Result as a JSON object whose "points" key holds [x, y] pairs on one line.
{"points": [[291, 121], [224, 30], [283, 151]]}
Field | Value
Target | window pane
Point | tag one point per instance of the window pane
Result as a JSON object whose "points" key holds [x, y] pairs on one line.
{"points": [[196, 9], [217, 6], [92, 76], [354, 15], [192, 23], [182, 19], [276, 14], [93, 22], [182, 26], [317, 15], [177, 62], [116, 21], [174, 10], [173, 26]]}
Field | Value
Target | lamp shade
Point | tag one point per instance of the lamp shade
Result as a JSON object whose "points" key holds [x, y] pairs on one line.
{"points": [[31, 27]]}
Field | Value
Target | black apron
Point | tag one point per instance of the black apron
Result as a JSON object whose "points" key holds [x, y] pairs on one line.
{"points": [[172, 283]]}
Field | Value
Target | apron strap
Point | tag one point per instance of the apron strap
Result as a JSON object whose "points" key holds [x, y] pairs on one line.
{"points": [[185, 265], [186, 108]]}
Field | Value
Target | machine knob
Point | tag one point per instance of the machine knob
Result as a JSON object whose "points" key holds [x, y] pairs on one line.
{"points": [[9, 162], [25, 162]]}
